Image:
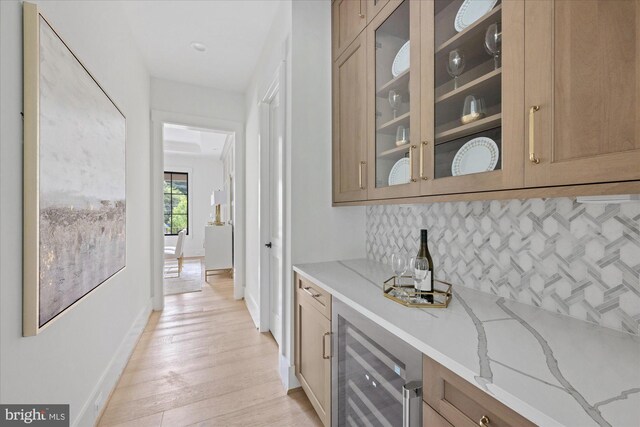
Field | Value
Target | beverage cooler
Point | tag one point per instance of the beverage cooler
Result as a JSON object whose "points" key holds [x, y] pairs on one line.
{"points": [[376, 377]]}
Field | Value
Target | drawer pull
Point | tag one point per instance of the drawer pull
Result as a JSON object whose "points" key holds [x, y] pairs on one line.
{"points": [[324, 351], [484, 421], [307, 289]]}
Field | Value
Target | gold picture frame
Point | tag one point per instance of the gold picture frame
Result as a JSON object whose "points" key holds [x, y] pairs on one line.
{"points": [[33, 317]]}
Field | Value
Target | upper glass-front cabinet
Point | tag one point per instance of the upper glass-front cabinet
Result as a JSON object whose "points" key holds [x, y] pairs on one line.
{"points": [[393, 39], [471, 58]]}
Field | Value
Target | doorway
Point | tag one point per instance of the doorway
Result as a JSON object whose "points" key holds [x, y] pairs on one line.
{"points": [[201, 210], [272, 205]]}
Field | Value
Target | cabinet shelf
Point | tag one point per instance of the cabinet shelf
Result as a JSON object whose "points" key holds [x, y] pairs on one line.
{"points": [[397, 83], [389, 127], [404, 148], [446, 133], [490, 79], [470, 32]]}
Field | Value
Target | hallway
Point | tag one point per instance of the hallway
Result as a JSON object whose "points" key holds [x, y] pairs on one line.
{"points": [[202, 362]]}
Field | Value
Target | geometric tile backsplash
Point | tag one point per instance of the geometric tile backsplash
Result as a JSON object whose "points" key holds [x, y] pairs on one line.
{"points": [[582, 260]]}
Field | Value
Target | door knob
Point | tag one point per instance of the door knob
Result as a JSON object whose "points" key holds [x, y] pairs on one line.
{"points": [[268, 245]]}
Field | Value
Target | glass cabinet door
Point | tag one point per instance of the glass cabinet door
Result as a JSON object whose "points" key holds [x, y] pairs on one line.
{"points": [[394, 100], [468, 56]]}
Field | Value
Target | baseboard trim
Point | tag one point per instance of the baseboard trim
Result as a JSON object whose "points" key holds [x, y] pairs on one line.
{"points": [[254, 309], [288, 375], [88, 416]]}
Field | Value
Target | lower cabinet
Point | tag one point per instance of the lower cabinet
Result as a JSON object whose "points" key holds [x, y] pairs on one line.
{"points": [[453, 401], [449, 400], [313, 346]]}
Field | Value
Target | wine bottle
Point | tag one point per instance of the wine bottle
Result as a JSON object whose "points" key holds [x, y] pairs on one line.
{"points": [[423, 252]]}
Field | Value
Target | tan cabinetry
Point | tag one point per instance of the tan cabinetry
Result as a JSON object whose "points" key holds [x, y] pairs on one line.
{"points": [[452, 401], [313, 345], [582, 91], [348, 19], [527, 99], [350, 123]]}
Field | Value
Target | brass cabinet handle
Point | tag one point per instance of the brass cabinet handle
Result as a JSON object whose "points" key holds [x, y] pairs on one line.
{"points": [[422, 175], [413, 147], [307, 289], [360, 14], [360, 183], [484, 421], [532, 153], [324, 341]]}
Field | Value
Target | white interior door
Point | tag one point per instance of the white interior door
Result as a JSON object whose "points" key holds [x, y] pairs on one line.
{"points": [[276, 207]]}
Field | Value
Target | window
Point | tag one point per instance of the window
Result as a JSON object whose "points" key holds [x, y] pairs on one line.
{"points": [[176, 203]]}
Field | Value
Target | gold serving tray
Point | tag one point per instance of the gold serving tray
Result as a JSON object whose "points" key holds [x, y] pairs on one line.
{"points": [[441, 297]]}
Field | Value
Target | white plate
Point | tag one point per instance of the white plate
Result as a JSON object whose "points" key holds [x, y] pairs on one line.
{"points": [[399, 172], [401, 61], [471, 11], [478, 155]]}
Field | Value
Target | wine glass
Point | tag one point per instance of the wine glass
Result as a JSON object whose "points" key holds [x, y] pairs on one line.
{"points": [[401, 136], [395, 100], [493, 43], [399, 264], [455, 66], [421, 276]]}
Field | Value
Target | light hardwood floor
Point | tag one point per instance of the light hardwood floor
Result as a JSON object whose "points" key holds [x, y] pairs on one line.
{"points": [[202, 362]]}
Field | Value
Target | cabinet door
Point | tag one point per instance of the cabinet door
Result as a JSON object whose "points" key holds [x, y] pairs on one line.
{"points": [[313, 350], [349, 124], [472, 98], [348, 20], [583, 73], [374, 7], [393, 40]]}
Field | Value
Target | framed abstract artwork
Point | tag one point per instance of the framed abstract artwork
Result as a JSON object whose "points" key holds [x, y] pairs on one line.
{"points": [[74, 178]]}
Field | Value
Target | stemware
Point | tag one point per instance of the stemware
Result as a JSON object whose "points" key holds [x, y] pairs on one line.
{"points": [[455, 66], [399, 264], [473, 109], [402, 136], [493, 43], [421, 277], [395, 100]]}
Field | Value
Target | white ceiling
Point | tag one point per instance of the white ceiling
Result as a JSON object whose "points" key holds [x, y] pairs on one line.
{"points": [[234, 32], [188, 140]]}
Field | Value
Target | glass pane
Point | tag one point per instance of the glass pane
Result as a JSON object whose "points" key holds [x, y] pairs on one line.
{"points": [[468, 93], [167, 204], [179, 203], [370, 380], [180, 183], [167, 224], [392, 98], [178, 223]]}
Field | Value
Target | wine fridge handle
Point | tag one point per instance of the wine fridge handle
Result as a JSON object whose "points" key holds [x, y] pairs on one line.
{"points": [[411, 397]]}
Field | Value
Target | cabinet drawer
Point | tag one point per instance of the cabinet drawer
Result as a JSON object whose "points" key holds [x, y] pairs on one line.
{"points": [[317, 297], [430, 418], [461, 403]]}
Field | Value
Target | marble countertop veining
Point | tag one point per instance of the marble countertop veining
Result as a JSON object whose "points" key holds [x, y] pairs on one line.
{"points": [[552, 369]]}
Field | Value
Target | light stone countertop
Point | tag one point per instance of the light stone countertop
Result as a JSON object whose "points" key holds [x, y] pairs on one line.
{"points": [[550, 368]]}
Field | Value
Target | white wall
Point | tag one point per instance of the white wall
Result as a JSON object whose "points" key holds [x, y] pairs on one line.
{"points": [[205, 176], [174, 102], [316, 231], [274, 52], [195, 100], [319, 232], [79, 357]]}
